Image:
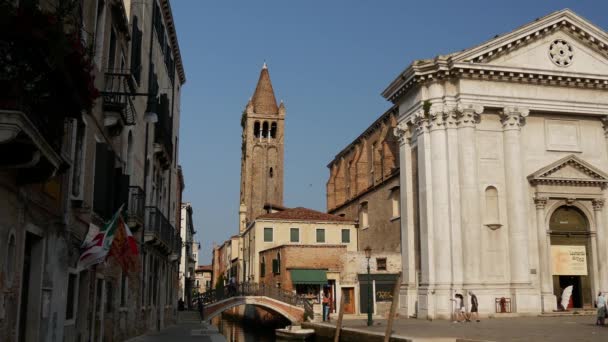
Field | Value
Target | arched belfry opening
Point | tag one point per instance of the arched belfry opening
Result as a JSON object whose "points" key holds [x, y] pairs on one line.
{"points": [[571, 255]]}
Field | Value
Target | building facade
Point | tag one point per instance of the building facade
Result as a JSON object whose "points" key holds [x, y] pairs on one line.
{"points": [[72, 171], [204, 277], [502, 157], [189, 258], [263, 124]]}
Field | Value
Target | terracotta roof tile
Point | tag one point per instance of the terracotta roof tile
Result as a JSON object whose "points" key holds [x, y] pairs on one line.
{"points": [[204, 268], [303, 214], [263, 99]]}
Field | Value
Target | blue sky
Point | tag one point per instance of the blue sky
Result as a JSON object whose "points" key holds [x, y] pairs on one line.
{"points": [[328, 61]]}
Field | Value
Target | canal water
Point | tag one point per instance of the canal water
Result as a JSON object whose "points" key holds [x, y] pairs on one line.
{"points": [[236, 330]]}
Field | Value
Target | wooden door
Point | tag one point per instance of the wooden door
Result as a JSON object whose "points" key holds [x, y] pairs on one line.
{"points": [[349, 300]]}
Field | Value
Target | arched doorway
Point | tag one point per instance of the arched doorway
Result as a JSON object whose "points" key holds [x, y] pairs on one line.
{"points": [[571, 255]]}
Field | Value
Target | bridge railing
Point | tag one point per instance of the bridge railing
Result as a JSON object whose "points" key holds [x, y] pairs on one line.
{"points": [[252, 289]]}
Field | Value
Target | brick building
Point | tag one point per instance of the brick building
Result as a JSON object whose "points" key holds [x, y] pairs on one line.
{"points": [[364, 186]]}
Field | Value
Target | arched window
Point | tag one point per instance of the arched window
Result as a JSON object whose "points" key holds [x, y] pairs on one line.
{"points": [[256, 129], [130, 153], [263, 267], [270, 173], [492, 219], [568, 219], [265, 129], [273, 130]]}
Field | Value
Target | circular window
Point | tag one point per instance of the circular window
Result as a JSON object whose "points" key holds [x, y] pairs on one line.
{"points": [[561, 53], [9, 266]]}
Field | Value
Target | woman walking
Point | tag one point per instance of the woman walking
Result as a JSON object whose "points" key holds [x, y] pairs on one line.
{"points": [[601, 309]]}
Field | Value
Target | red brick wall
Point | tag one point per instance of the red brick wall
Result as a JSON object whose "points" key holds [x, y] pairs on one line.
{"points": [[302, 256]]}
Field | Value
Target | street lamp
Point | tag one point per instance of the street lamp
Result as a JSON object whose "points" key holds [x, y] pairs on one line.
{"points": [[368, 254]]}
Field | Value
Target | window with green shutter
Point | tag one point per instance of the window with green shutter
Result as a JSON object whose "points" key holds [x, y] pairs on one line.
{"points": [[294, 234], [267, 234], [320, 235], [345, 235]]}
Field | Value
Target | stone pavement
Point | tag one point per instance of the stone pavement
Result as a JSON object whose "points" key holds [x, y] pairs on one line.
{"points": [[183, 332], [567, 328]]}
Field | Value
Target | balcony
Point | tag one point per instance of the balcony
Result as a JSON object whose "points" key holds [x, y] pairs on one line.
{"points": [[136, 210], [119, 89], [159, 232]]}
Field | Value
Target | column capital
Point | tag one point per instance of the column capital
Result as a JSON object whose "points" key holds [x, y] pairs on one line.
{"points": [[598, 204], [420, 122], [605, 125], [469, 114], [513, 118], [540, 202], [403, 132], [437, 117]]}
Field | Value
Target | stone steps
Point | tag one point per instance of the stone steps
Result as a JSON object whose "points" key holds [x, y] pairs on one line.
{"points": [[577, 312]]}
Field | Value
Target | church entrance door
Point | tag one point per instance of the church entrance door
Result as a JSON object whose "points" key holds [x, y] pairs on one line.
{"points": [[571, 256]]}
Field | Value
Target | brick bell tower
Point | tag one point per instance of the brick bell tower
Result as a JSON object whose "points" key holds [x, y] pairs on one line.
{"points": [[261, 151]]}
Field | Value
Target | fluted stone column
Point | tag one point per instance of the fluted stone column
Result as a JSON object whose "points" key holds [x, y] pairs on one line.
{"points": [[408, 290], [602, 267], [469, 192], [426, 301], [441, 212], [544, 257], [451, 118], [512, 119]]}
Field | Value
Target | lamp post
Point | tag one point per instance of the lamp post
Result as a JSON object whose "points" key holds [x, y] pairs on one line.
{"points": [[368, 254]]}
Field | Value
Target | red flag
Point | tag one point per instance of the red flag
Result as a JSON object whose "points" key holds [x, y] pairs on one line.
{"points": [[124, 247]]}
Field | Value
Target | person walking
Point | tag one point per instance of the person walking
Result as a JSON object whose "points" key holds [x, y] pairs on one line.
{"points": [[458, 308], [602, 308], [325, 306], [474, 307]]}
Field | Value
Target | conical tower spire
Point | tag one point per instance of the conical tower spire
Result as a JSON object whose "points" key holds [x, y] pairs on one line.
{"points": [[263, 100]]}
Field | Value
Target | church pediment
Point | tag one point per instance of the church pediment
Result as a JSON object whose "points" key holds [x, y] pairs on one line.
{"points": [[561, 41], [560, 49], [570, 170]]}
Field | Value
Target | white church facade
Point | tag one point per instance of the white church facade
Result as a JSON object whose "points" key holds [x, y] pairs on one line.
{"points": [[503, 171]]}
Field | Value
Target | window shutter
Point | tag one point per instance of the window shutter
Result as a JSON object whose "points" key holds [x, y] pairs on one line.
{"points": [[121, 192], [101, 181], [275, 266], [136, 51]]}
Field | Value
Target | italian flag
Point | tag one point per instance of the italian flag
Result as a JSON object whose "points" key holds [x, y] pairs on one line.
{"points": [[97, 243]]}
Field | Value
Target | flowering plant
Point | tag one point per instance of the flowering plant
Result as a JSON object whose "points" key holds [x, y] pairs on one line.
{"points": [[44, 66]]}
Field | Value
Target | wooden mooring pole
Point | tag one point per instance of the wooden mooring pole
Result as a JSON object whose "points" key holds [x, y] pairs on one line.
{"points": [[339, 323], [391, 317]]}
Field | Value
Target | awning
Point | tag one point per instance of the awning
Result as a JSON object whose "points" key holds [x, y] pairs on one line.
{"points": [[314, 277]]}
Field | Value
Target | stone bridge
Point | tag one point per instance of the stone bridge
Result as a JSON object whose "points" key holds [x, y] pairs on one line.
{"points": [[295, 314], [285, 303]]}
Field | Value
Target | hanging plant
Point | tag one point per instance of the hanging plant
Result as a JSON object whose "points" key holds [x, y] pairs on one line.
{"points": [[44, 67]]}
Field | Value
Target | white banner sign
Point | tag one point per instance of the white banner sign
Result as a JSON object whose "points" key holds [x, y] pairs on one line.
{"points": [[569, 260]]}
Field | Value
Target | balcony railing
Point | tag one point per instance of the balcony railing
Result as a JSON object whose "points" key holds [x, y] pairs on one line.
{"points": [[160, 232], [136, 209], [119, 88]]}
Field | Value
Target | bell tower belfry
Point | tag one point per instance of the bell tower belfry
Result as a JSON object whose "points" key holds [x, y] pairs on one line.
{"points": [[261, 151]]}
